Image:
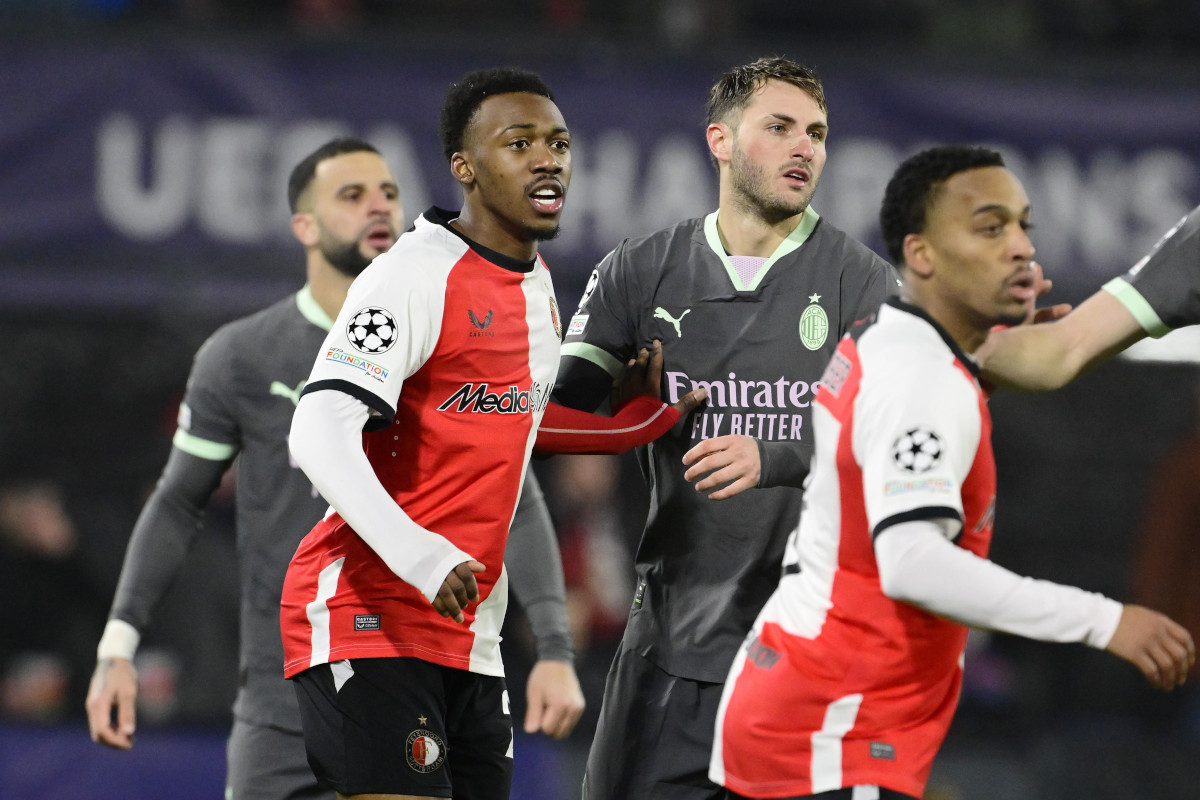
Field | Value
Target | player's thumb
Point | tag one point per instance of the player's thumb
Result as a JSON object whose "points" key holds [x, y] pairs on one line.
{"points": [[476, 566], [533, 711]]}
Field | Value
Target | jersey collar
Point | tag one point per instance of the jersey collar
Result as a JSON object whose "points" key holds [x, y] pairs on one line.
{"points": [[798, 236], [311, 310], [967, 359]]}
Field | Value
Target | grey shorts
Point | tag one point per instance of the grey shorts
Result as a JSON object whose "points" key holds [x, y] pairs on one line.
{"points": [[654, 737], [268, 763]]}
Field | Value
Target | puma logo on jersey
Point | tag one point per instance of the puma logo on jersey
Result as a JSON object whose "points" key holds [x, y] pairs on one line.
{"points": [[662, 313], [283, 390]]}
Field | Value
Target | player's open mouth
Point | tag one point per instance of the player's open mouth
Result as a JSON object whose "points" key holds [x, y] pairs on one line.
{"points": [[547, 197], [380, 236], [797, 176], [1021, 287]]}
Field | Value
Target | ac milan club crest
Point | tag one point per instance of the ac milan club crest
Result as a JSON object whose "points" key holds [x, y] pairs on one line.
{"points": [[425, 751]]}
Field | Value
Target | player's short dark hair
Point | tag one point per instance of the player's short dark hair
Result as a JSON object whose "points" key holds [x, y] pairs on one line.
{"points": [[303, 173], [915, 185], [464, 98], [731, 94]]}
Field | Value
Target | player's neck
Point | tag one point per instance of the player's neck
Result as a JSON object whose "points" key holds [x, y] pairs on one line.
{"points": [[964, 328], [491, 232], [744, 232], [328, 286]]}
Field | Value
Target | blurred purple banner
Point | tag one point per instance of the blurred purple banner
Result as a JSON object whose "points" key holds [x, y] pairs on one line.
{"points": [[143, 174]]}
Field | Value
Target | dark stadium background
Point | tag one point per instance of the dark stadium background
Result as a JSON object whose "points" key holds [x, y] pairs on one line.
{"points": [[144, 146]]}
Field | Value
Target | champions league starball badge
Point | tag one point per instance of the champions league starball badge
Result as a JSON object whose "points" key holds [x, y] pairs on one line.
{"points": [[372, 330], [917, 450]]}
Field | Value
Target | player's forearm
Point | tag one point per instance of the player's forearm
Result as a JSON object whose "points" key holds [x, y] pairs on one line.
{"points": [[326, 441], [535, 573], [918, 565], [1050, 355], [163, 534]]}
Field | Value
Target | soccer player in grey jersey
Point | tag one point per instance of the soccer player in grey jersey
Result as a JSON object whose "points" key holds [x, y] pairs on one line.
{"points": [[748, 302], [240, 396], [1161, 292]]}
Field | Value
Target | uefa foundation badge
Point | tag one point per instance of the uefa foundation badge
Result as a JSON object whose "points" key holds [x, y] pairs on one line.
{"points": [[426, 752]]}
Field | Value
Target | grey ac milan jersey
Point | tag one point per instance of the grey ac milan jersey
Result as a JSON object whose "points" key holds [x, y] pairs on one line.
{"points": [[706, 567], [240, 396], [1162, 291]]}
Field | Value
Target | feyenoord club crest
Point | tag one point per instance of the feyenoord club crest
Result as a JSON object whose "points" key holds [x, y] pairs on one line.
{"points": [[555, 319], [425, 752]]}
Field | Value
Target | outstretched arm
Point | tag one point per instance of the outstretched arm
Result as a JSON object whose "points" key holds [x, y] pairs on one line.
{"points": [[919, 565], [157, 549], [553, 698], [1050, 355]]}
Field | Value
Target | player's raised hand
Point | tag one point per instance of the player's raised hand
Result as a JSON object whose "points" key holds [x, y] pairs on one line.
{"points": [[1154, 643], [114, 686], [1042, 286], [731, 460], [553, 699], [458, 590]]}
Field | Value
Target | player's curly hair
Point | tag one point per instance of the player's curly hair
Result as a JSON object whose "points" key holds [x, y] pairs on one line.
{"points": [[731, 94], [304, 172], [915, 185], [464, 98]]}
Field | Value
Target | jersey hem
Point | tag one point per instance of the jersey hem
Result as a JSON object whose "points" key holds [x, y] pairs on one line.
{"points": [[464, 663]]}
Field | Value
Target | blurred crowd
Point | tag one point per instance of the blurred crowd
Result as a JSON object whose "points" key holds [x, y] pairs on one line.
{"points": [[1127, 25]]}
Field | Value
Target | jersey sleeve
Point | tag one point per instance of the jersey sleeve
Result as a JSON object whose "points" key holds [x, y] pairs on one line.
{"points": [[387, 329], [916, 441], [640, 421], [1162, 291], [863, 291], [207, 425], [602, 335]]}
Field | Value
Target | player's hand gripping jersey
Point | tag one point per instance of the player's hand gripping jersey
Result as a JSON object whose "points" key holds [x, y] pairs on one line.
{"points": [[455, 348], [1162, 291]]}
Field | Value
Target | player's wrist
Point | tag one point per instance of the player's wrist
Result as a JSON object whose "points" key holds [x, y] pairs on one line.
{"points": [[120, 640]]}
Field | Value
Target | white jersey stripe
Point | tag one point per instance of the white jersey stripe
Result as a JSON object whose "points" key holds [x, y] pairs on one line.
{"points": [[827, 743], [318, 611]]}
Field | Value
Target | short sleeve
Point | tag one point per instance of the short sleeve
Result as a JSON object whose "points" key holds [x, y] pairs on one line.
{"points": [[208, 427], [387, 329], [917, 433], [603, 329], [1162, 291]]}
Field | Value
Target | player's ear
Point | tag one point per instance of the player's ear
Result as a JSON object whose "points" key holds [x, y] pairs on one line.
{"points": [[720, 139], [460, 168], [918, 255], [304, 228]]}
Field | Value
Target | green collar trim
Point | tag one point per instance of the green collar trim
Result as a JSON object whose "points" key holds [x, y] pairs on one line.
{"points": [[311, 310], [798, 236]]}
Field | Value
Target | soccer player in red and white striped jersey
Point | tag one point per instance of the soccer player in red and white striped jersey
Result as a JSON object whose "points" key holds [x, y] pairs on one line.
{"points": [[847, 684], [416, 425]]}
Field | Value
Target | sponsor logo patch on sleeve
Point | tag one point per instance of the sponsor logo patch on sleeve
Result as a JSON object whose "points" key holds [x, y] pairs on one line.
{"points": [[578, 322]]}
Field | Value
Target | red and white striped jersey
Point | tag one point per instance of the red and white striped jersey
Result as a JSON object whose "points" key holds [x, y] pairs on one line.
{"points": [[837, 684], [456, 346]]}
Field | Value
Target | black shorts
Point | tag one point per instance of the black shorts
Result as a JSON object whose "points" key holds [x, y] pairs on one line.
{"points": [[406, 726]]}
